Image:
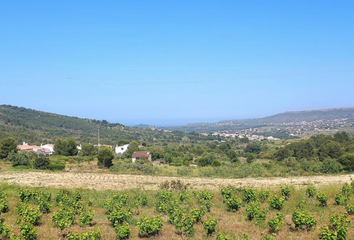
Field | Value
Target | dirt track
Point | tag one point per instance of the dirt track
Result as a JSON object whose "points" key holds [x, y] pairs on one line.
{"points": [[100, 181]]}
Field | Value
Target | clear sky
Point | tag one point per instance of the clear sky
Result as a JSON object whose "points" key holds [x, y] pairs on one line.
{"points": [[176, 61]]}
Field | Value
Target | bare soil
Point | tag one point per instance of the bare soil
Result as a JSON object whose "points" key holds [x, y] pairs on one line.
{"points": [[104, 181]]}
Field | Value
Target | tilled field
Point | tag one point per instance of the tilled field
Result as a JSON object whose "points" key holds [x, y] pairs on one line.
{"points": [[104, 181]]}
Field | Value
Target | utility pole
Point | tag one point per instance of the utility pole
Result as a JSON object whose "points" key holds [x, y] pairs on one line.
{"points": [[98, 135]]}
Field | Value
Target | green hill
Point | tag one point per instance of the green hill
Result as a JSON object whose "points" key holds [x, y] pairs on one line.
{"points": [[41, 127]]}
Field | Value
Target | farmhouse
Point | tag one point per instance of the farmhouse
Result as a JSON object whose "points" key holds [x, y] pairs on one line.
{"points": [[36, 149], [141, 155], [121, 149]]}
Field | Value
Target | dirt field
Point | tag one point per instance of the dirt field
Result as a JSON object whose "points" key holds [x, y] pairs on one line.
{"points": [[102, 181]]}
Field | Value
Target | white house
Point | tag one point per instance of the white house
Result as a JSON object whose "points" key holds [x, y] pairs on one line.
{"points": [[50, 147], [121, 149]]}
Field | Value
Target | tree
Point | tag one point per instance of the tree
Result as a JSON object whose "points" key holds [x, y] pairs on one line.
{"points": [[105, 156], [66, 147], [330, 149], [283, 153], [253, 148], [341, 137], [41, 162], [347, 161], [20, 158], [232, 155], [133, 147], [88, 150], [7, 145]]}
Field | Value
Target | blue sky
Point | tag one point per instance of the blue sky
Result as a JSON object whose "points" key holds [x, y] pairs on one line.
{"points": [[174, 62]]}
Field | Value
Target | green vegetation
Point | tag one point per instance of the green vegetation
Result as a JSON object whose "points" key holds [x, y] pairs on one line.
{"points": [[143, 214]]}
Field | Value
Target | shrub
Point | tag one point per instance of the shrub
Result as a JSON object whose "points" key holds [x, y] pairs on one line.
{"points": [[41, 162], [4, 230], [29, 214], [204, 198], [64, 218], [149, 226], [311, 191], [350, 209], [276, 202], [93, 235], [327, 234], [119, 216], [340, 223], [276, 222], [210, 225], [303, 220], [263, 195], [140, 200], [341, 198], [4, 205], [322, 198], [249, 195], [233, 204], [85, 218], [226, 192], [122, 231], [56, 167], [286, 191], [25, 195], [28, 232], [253, 211], [222, 236]]}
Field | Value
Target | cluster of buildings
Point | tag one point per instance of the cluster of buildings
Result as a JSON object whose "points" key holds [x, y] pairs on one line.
{"points": [[47, 149], [251, 137]]}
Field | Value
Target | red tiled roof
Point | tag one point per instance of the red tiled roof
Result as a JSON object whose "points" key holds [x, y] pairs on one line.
{"points": [[141, 154]]}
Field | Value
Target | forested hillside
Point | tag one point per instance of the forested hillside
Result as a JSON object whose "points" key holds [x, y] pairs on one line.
{"points": [[41, 127]]}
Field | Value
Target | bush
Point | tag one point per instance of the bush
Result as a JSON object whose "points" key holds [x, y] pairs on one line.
{"points": [[41, 162], [338, 230], [311, 191], [249, 195], [233, 204], [327, 234], [56, 166], [140, 200], [350, 209], [253, 211], [286, 191], [28, 232], [263, 195], [64, 218], [303, 220], [86, 218], [119, 216], [322, 198], [340, 223], [341, 198], [29, 214], [276, 222], [330, 166], [93, 235], [122, 231], [276, 202], [4, 230], [210, 225], [150, 226]]}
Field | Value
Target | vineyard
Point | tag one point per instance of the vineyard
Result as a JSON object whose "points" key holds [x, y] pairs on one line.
{"points": [[177, 211]]}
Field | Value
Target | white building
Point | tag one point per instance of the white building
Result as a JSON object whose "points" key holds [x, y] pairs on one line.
{"points": [[50, 147], [121, 149]]}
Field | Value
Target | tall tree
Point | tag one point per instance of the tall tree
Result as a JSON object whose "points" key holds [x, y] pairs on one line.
{"points": [[66, 147], [105, 157], [7, 145]]}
